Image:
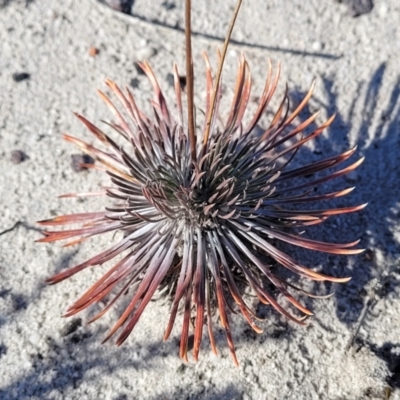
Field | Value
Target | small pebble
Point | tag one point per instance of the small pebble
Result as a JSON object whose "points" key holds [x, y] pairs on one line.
{"points": [[142, 42], [20, 76], [34, 338], [383, 10], [170, 79], [124, 6], [317, 46], [18, 156], [71, 327], [93, 51], [168, 5], [77, 161], [135, 83], [25, 356], [358, 7], [145, 53], [233, 53]]}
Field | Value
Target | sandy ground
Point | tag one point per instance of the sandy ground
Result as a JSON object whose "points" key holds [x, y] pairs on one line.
{"points": [[355, 62]]}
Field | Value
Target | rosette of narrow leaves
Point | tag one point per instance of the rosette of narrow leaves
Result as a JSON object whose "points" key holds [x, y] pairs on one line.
{"points": [[203, 226]]}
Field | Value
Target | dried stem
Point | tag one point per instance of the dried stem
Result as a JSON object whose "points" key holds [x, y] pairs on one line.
{"points": [[218, 78], [190, 80]]}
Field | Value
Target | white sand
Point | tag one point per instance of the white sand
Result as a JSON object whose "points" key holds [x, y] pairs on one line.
{"points": [[356, 65]]}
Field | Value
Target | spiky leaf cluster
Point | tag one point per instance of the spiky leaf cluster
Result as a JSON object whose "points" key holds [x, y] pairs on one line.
{"points": [[202, 227]]}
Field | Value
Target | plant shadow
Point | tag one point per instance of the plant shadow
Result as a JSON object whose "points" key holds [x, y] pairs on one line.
{"points": [[228, 393], [5, 3], [64, 367], [131, 16], [390, 353], [378, 141]]}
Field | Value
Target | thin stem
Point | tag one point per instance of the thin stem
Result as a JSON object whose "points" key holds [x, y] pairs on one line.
{"points": [[190, 80], [219, 72]]}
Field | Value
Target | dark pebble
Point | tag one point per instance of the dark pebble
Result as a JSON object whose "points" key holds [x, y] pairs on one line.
{"points": [[122, 396], [20, 76], [124, 6], [18, 156], [169, 5], [78, 159], [358, 7], [71, 327], [135, 83], [170, 79]]}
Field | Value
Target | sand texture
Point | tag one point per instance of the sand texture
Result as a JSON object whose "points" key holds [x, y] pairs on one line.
{"points": [[53, 56]]}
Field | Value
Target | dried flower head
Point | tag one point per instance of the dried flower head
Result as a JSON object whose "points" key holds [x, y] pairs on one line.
{"points": [[201, 209]]}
